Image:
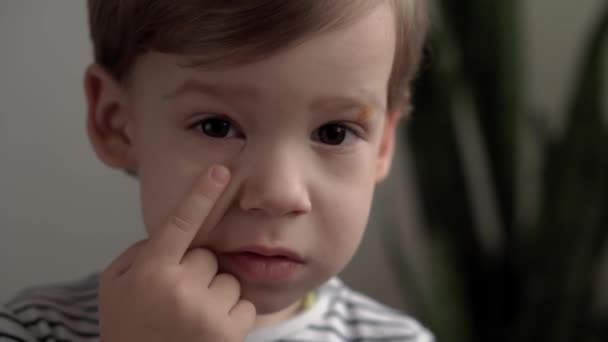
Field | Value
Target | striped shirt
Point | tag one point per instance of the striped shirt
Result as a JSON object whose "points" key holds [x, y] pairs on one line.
{"points": [[68, 312]]}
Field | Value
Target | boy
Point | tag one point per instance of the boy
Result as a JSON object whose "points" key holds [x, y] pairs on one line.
{"points": [[257, 131]]}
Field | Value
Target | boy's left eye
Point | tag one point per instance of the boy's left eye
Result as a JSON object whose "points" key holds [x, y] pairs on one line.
{"points": [[334, 134]]}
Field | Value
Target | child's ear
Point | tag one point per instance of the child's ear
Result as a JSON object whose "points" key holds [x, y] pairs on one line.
{"points": [[109, 122], [387, 145]]}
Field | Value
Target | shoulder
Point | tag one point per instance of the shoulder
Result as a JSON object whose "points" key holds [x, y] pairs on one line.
{"points": [[353, 315], [61, 311]]}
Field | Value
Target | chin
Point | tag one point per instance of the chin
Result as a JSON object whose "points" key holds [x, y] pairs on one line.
{"points": [[268, 301]]}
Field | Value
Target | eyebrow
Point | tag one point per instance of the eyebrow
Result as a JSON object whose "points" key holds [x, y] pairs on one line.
{"points": [[364, 100]]}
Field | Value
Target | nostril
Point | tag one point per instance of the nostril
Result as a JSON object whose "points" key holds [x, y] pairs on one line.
{"points": [[277, 199], [255, 211]]}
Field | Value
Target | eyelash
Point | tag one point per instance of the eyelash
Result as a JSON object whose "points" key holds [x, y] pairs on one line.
{"points": [[354, 133], [208, 119], [348, 127]]}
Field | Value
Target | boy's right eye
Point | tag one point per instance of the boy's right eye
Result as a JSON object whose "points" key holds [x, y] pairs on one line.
{"points": [[218, 127]]}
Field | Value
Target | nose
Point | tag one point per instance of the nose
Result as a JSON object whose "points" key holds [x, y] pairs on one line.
{"points": [[274, 184]]}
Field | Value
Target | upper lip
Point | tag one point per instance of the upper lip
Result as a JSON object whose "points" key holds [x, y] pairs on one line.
{"points": [[271, 252]]}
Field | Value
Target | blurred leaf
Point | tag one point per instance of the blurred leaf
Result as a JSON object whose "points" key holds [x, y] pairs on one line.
{"points": [[535, 283]]}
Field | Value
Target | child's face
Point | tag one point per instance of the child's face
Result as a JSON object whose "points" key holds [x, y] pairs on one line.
{"points": [[298, 182]]}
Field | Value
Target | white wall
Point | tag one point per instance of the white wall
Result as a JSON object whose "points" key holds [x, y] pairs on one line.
{"points": [[63, 214]]}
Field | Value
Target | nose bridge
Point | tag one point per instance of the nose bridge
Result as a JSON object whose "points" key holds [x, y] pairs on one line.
{"points": [[274, 180]]}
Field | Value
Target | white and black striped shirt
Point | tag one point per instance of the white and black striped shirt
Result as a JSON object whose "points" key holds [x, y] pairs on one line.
{"points": [[68, 312]]}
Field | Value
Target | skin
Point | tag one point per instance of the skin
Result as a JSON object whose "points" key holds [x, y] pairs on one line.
{"points": [[288, 188], [184, 297]]}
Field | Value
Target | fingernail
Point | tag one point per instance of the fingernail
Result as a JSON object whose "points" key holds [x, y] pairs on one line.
{"points": [[220, 174]]}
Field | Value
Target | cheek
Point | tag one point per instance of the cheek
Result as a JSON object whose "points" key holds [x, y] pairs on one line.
{"points": [[168, 164], [344, 207]]}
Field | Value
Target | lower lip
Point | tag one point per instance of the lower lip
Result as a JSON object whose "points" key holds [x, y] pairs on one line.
{"points": [[256, 267]]}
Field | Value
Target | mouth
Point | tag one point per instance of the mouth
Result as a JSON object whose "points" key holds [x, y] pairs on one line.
{"points": [[271, 252], [262, 264]]}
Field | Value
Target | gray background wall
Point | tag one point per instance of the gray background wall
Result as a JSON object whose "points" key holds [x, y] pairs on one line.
{"points": [[62, 214]]}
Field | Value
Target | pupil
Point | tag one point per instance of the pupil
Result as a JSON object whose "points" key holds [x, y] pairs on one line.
{"points": [[216, 128], [332, 134]]}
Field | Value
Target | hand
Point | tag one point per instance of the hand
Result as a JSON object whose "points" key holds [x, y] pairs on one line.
{"points": [[159, 290]]}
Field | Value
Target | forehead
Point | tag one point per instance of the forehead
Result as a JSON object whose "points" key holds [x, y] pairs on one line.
{"points": [[356, 58]]}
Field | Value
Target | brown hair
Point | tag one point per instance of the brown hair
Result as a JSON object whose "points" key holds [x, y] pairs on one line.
{"points": [[233, 32]]}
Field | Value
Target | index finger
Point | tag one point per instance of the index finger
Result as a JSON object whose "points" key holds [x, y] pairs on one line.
{"points": [[171, 242]]}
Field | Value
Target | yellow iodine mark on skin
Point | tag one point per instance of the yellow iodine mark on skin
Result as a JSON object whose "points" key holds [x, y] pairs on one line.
{"points": [[365, 114]]}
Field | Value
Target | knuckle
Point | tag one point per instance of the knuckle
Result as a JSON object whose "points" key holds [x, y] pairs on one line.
{"points": [[147, 277], [202, 254], [229, 278], [182, 303], [201, 257], [249, 309], [180, 223], [181, 294], [204, 198], [203, 201], [228, 281], [243, 320]]}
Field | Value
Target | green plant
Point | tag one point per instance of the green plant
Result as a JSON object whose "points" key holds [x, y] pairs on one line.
{"points": [[496, 275]]}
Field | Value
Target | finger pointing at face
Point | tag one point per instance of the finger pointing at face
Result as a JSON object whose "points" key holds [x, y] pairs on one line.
{"points": [[170, 243]]}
